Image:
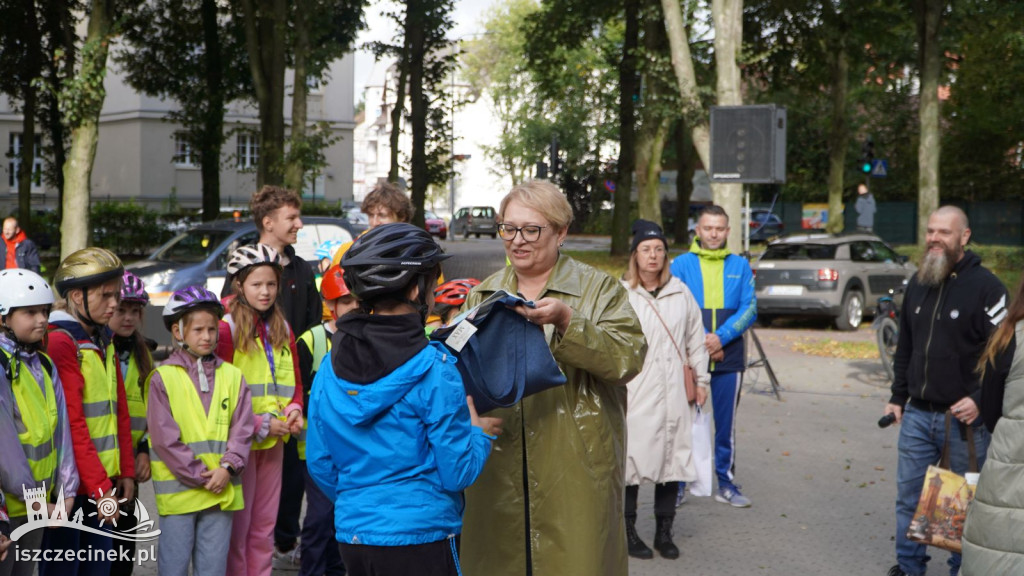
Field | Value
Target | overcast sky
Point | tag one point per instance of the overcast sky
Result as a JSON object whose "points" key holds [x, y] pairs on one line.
{"points": [[468, 18]]}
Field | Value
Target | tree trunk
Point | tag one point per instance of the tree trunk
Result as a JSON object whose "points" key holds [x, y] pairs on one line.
{"points": [[60, 33], [838, 137], [30, 103], [295, 169], [684, 183], [654, 121], [396, 113], [265, 44], [627, 136], [418, 105], [693, 111], [648, 159], [74, 226], [728, 17], [212, 139], [929, 149]]}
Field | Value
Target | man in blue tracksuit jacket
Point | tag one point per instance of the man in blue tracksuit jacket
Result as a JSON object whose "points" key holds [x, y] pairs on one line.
{"points": [[723, 285]]}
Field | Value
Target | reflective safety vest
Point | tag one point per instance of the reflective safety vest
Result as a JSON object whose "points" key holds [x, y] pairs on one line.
{"points": [[136, 388], [36, 428], [318, 342], [99, 403], [272, 391], [206, 434]]}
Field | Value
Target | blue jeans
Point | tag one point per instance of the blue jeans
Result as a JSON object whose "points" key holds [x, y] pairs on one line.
{"points": [[922, 435]]}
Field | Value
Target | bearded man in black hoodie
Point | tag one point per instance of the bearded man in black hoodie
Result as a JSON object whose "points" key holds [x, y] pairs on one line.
{"points": [[951, 306]]}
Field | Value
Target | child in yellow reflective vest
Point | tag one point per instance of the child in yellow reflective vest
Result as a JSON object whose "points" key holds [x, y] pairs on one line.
{"points": [[136, 362], [256, 338], [318, 549], [201, 423], [35, 437]]}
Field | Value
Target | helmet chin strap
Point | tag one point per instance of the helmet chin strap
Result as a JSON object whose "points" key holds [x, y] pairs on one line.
{"points": [[87, 319]]}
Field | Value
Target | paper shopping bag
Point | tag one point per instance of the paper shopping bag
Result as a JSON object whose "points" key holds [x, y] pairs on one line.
{"points": [[945, 496], [702, 454]]}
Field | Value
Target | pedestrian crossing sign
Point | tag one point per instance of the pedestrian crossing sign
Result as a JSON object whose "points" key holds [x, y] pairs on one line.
{"points": [[879, 168]]}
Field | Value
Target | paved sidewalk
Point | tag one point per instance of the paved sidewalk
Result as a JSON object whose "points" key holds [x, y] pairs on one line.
{"points": [[820, 473]]}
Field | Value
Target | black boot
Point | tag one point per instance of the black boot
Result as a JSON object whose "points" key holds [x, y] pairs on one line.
{"points": [[637, 548], [663, 538]]}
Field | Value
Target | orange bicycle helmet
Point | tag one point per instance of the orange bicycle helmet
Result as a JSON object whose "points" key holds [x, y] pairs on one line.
{"points": [[332, 285], [453, 292]]}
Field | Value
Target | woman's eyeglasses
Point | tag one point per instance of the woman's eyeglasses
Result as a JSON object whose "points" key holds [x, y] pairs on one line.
{"points": [[530, 233]]}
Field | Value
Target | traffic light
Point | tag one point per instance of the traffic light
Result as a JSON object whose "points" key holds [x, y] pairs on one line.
{"points": [[867, 155], [556, 164]]}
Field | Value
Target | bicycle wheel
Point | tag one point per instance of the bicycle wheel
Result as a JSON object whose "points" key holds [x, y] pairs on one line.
{"points": [[887, 337]]}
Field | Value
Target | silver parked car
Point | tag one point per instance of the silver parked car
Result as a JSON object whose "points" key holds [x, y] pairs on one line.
{"points": [[199, 255], [840, 277], [475, 220]]}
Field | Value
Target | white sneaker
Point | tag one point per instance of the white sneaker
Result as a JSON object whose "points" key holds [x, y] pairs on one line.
{"points": [[287, 561]]}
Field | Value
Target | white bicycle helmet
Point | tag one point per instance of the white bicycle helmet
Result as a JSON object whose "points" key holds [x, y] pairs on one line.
{"points": [[246, 257], [23, 288]]}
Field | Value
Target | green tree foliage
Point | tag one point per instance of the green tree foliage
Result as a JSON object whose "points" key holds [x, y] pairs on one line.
{"points": [[173, 48], [494, 66], [322, 31], [982, 146], [21, 31], [425, 58], [562, 27]]}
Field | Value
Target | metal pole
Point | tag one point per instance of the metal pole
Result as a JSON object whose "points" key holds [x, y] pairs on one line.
{"points": [[451, 141]]}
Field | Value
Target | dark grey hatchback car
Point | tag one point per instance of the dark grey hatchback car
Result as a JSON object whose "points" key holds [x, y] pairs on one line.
{"points": [[199, 255], [840, 277]]}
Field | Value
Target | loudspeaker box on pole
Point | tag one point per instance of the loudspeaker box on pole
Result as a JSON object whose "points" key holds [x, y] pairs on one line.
{"points": [[748, 144]]}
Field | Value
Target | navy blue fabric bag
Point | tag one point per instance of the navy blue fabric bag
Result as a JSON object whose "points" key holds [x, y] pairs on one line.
{"points": [[502, 357]]}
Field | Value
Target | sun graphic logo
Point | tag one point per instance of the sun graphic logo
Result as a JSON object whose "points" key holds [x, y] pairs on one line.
{"points": [[108, 507]]}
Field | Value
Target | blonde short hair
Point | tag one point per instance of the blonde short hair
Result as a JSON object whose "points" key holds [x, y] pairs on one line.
{"points": [[544, 197]]}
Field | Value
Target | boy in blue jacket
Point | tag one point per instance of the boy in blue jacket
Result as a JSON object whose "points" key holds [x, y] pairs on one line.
{"points": [[393, 439]]}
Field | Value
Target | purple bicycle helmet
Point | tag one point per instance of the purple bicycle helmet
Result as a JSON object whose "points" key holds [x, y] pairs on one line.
{"points": [[133, 290], [188, 299]]}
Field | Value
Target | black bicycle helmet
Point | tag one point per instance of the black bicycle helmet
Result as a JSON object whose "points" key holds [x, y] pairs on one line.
{"points": [[388, 258]]}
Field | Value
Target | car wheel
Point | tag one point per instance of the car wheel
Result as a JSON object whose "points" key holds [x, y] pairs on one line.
{"points": [[495, 235], [465, 233], [444, 236], [477, 234], [852, 311], [765, 320]]}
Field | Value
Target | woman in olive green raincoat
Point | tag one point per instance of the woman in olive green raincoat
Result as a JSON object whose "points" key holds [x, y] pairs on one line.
{"points": [[557, 471]]}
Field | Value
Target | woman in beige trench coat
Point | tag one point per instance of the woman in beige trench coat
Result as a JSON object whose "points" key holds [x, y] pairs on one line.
{"points": [[549, 501], [658, 417]]}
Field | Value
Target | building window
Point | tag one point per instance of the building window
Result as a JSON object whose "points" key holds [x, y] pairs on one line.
{"points": [[183, 154], [248, 151], [14, 163]]}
